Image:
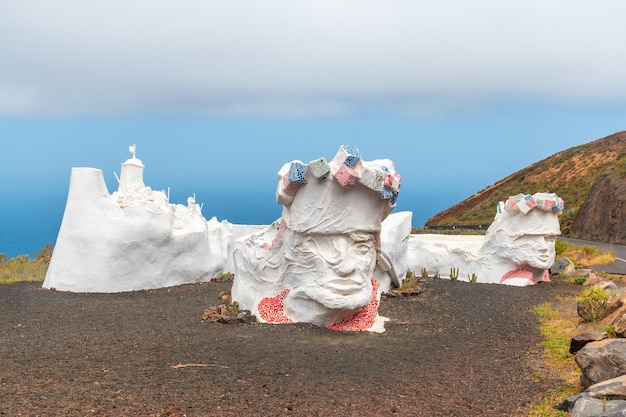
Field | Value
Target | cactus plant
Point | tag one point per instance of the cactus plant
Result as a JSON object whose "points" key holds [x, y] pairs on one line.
{"points": [[454, 273]]}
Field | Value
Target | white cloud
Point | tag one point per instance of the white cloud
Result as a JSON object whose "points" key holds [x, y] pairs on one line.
{"points": [[316, 57]]}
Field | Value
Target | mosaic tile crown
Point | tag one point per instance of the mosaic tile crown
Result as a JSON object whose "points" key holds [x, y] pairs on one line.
{"points": [[345, 194], [526, 202], [348, 169]]}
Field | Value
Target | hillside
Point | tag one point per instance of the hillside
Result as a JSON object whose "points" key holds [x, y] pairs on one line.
{"points": [[569, 173]]}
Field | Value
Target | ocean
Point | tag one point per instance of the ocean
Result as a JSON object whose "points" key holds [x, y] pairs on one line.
{"points": [[30, 220]]}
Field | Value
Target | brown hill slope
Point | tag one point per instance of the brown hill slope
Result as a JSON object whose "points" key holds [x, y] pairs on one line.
{"points": [[569, 173]]}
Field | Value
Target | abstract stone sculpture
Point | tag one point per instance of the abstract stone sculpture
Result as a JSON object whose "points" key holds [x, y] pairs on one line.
{"points": [[316, 264], [132, 239], [518, 248]]}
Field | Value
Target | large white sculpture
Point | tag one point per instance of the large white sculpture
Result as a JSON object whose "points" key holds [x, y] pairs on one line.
{"points": [[316, 264], [326, 261], [518, 248], [132, 239]]}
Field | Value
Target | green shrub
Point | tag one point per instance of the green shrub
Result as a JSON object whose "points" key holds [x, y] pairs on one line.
{"points": [[594, 302], [580, 280], [21, 268], [561, 247], [610, 329], [227, 276], [590, 250]]}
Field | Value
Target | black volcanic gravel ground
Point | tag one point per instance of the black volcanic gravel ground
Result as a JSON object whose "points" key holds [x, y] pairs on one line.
{"points": [[458, 349]]}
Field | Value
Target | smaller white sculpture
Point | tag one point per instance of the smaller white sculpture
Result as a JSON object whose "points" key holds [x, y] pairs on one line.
{"points": [[518, 248], [316, 263], [132, 239]]}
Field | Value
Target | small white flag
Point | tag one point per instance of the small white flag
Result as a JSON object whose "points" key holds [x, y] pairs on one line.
{"points": [[131, 149]]}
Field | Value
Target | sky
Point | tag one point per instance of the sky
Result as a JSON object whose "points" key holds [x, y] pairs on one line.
{"points": [[218, 95]]}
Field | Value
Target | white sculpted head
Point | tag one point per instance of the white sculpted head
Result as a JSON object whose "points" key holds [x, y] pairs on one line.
{"points": [[316, 264], [524, 231]]}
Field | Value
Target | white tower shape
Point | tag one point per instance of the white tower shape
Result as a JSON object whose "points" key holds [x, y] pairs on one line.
{"points": [[132, 173]]}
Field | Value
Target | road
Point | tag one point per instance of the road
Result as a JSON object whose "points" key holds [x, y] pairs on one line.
{"points": [[619, 267]]}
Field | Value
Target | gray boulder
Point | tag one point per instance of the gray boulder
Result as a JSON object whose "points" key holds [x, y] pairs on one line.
{"points": [[612, 389], [591, 277], [563, 266], [587, 406], [579, 341], [601, 361], [618, 318], [610, 393]]}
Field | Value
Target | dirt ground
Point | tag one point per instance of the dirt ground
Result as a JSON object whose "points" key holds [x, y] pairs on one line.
{"points": [[458, 349]]}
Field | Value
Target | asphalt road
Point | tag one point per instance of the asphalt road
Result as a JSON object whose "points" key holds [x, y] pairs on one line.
{"points": [[619, 267]]}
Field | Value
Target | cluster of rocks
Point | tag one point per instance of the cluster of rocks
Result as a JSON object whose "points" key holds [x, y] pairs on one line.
{"points": [[600, 355], [228, 312], [412, 286]]}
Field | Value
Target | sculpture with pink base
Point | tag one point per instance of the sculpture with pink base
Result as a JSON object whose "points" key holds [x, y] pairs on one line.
{"points": [[518, 248], [316, 264]]}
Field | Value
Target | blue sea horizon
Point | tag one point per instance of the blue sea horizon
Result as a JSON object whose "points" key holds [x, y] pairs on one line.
{"points": [[34, 220]]}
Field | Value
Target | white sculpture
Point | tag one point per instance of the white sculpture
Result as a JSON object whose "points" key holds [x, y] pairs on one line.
{"points": [[518, 248], [132, 239], [316, 263], [326, 261]]}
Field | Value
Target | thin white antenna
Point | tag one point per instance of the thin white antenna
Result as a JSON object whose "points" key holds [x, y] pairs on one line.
{"points": [[116, 177], [133, 150], [168, 194]]}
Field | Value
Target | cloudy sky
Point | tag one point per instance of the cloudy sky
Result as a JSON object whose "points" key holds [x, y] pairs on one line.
{"points": [[218, 94]]}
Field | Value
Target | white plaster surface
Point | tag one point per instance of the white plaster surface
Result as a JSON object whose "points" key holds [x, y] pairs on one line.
{"points": [[316, 263], [132, 239], [518, 248], [335, 239]]}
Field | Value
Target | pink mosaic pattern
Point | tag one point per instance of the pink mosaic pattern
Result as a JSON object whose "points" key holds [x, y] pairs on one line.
{"points": [[364, 318], [530, 203], [548, 204], [388, 180], [511, 203], [546, 275], [271, 309], [393, 181], [346, 176], [519, 273], [289, 187], [397, 181]]}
